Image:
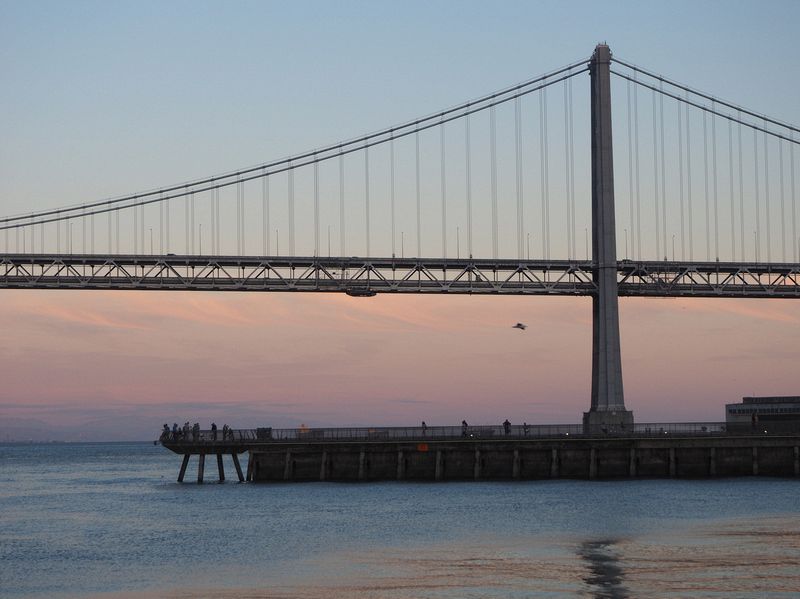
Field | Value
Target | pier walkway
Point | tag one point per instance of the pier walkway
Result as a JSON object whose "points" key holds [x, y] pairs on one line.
{"points": [[284, 446]]}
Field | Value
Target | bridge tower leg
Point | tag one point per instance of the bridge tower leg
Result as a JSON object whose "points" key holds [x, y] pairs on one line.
{"points": [[607, 412]]}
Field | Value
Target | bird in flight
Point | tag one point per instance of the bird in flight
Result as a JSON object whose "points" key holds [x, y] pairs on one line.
{"points": [[520, 326]]}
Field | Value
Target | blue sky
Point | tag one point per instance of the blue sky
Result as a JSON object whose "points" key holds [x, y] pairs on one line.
{"points": [[105, 98]]}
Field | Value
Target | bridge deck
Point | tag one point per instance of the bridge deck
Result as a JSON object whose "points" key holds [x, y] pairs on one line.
{"points": [[368, 276]]}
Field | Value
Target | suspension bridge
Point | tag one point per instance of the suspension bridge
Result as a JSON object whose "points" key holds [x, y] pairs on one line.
{"points": [[490, 196]]}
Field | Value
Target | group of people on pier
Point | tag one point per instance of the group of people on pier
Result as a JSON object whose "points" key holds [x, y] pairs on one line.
{"points": [[189, 432]]}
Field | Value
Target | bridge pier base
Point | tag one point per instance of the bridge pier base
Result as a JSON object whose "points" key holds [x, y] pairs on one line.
{"points": [[602, 422]]}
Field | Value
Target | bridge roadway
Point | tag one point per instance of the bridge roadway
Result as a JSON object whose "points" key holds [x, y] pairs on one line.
{"points": [[368, 276]]}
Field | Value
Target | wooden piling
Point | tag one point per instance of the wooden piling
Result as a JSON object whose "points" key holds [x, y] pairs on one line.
{"points": [[200, 468], [287, 466], [515, 465], [221, 468], [362, 457], [554, 463], [184, 464], [237, 466]]}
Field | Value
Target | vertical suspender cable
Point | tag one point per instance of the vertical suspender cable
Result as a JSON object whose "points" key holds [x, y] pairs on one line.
{"points": [[795, 239], [705, 169], [341, 205], [391, 191], [187, 224], [239, 218], [493, 168], [757, 189], [742, 244], [680, 177], [166, 227], [316, 209], [730, 190], [419, 197], [542, 170], [191, 212], [110, 240], [766, 194], [161, 225], [714, 171], [217, 215], [632, 214], [566, 170], [443, 177], [572, 167], [135, 228], [468, 171], [636, 161], [91, 237], [689, 183], [291, 210], [546, 173], [655, 178], [518, 171], [366, 197], [265, 215], [783, 201], [116, 236], [663, 173]]}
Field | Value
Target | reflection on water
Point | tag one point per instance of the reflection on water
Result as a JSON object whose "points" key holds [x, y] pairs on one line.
{"points": [[605, 575]]}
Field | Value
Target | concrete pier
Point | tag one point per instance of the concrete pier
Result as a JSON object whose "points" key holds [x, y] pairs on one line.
{"points": [[587, 458]]}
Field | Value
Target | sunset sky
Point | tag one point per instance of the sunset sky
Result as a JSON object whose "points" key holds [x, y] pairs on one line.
{"points": [[102, 99]]}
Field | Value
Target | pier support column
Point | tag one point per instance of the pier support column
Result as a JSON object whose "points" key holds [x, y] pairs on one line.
{"points": [[440, 470], [554, 463], [672, 462], [515, 465], [323, 468], [362, 458], [201, 466], [476, 472], [797, 461], [220, 468], [185, 463], [237, 466], [755, 461], [592, 463], [712, 462], [632, 463], [250, 466], [401, 466], [607, 413], [287, 466]]}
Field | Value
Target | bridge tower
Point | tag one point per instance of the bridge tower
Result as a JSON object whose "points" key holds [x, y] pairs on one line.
{"points": [[607, 409]]}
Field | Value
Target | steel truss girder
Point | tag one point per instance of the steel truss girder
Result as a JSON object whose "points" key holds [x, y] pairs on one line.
{"points": [[367, 276]]}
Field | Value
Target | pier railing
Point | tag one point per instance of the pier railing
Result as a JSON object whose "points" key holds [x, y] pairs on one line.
{"points": [[256, 436]]}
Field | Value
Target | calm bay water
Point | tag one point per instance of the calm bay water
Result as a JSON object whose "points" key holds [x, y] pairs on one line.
{"points": [[108, 520]]}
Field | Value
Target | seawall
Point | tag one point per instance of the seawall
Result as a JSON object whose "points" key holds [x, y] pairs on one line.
{"points": [[524, 459]]}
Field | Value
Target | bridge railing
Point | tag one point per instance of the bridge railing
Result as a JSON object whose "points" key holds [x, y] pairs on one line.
{"points": [[434, 433]]}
